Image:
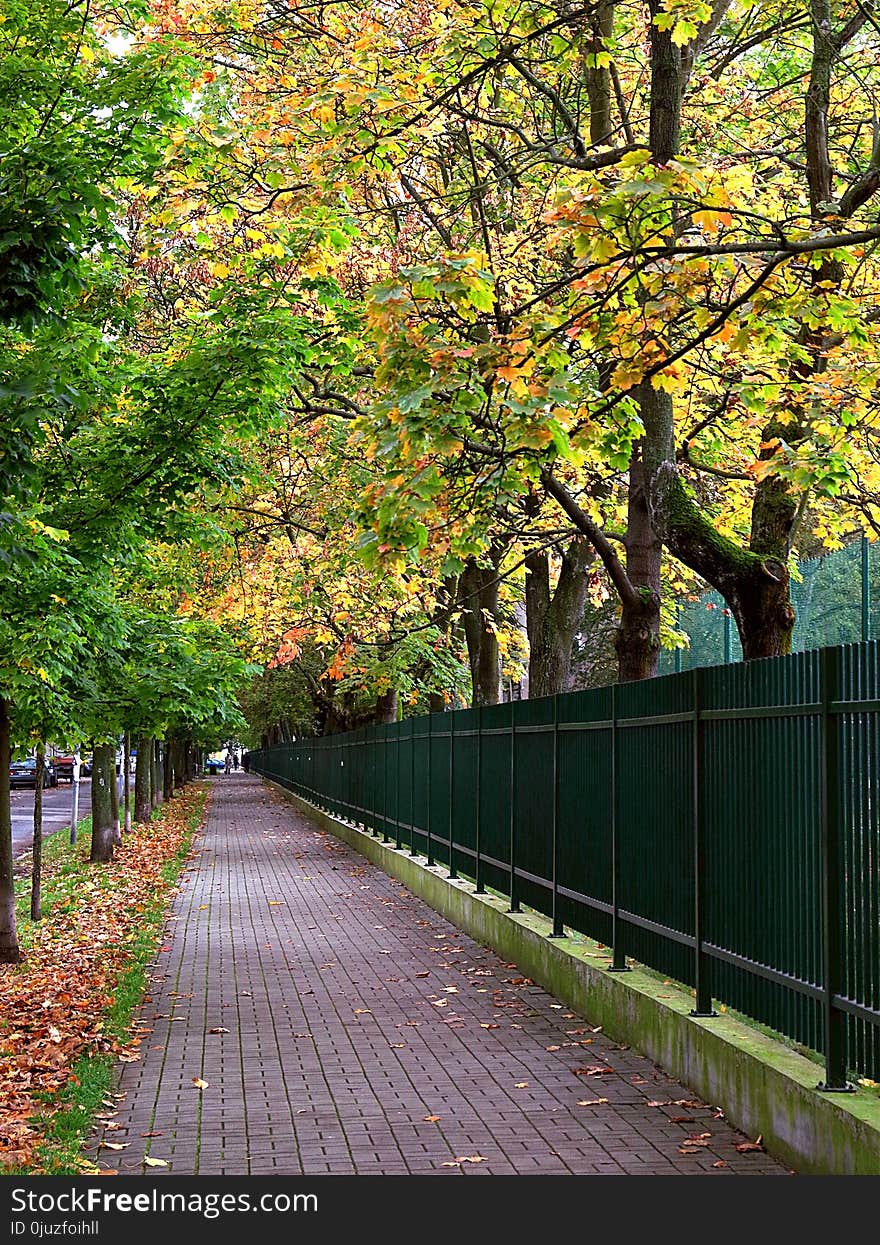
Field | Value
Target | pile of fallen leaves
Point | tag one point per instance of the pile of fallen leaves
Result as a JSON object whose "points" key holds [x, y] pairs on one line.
{"points": [[52, 1007]]}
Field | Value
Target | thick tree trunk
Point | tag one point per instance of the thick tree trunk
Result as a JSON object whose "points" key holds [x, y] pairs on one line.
{"points": [[155, 789], [598, 81], [436, 702], [10, 952], [478, 599], [637, 642], [552, 620], [37, 851], [104, 829], [386, 707], [179, 774], [114, 802], [142, 770], [754, 585], [168, 769], [756, 588]]}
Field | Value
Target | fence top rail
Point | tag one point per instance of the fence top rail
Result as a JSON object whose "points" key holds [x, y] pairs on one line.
{"points": [[772, 687]]}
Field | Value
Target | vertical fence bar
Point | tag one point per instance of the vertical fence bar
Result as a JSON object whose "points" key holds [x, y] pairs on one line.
{"points": [[412, 787], [385, 752], [478, 868], [514, 895], [374, 752], [866, 603], [452, 873], [701, 962], [558, 931], [618, 958], [727, 649], [428, 818], [398, 829], [832, 974]]}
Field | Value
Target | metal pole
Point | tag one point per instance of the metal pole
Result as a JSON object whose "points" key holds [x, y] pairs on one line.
{"points": [[832, 950], [701, 967], [558, 931], [618, 959], [412, 787], [428, 817], [74, 805], [678, 661], [514, 897], [126, 784], [452, 872], [727, 637], [481, 887]]}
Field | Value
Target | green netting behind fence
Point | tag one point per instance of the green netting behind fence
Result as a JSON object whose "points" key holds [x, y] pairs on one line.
{"points": [[836, 600]]}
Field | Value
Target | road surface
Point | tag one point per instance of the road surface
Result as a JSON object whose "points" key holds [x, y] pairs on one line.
{"points": [[56, 811]]}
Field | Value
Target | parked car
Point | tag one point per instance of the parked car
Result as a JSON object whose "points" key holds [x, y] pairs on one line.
{"points": [[64, 766], [24, 773]]}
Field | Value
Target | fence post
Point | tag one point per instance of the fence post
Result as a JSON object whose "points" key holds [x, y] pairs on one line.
{"points": [[701, 962], [618, 958], [479, 864], [727, 649], [398, 835], [452, 873], [412, 786], [835, 1019], [385, 753], [558, 931], [428, 818], [866, 616], [514, 897]]}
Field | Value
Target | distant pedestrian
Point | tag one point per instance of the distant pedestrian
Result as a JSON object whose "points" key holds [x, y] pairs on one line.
{"points": [[227, 762], [246, 762], [235, 760]]}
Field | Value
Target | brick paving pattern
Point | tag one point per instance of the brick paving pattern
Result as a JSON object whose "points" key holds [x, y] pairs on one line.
{"points": [[344, 1027]]}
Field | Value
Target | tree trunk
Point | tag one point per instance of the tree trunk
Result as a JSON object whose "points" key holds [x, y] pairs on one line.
{"points": [[179, 774], [755, 586], [143, 766], [386, 707], [10, 952], [436, 702], [552, 621], [155, 789], [637, 642], [168, 769], [478, 599], [114, 801], [598, 81], [104, 829], [37, 853]]}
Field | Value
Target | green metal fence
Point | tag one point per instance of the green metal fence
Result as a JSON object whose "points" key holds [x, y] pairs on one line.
{"points": [[721, 826]]}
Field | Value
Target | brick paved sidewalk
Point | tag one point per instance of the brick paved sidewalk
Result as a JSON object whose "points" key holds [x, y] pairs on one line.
{"points": [[344, 1027]]}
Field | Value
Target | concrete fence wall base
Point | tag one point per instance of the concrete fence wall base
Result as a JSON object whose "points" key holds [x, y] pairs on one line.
{"points": [[763, 1087]]}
